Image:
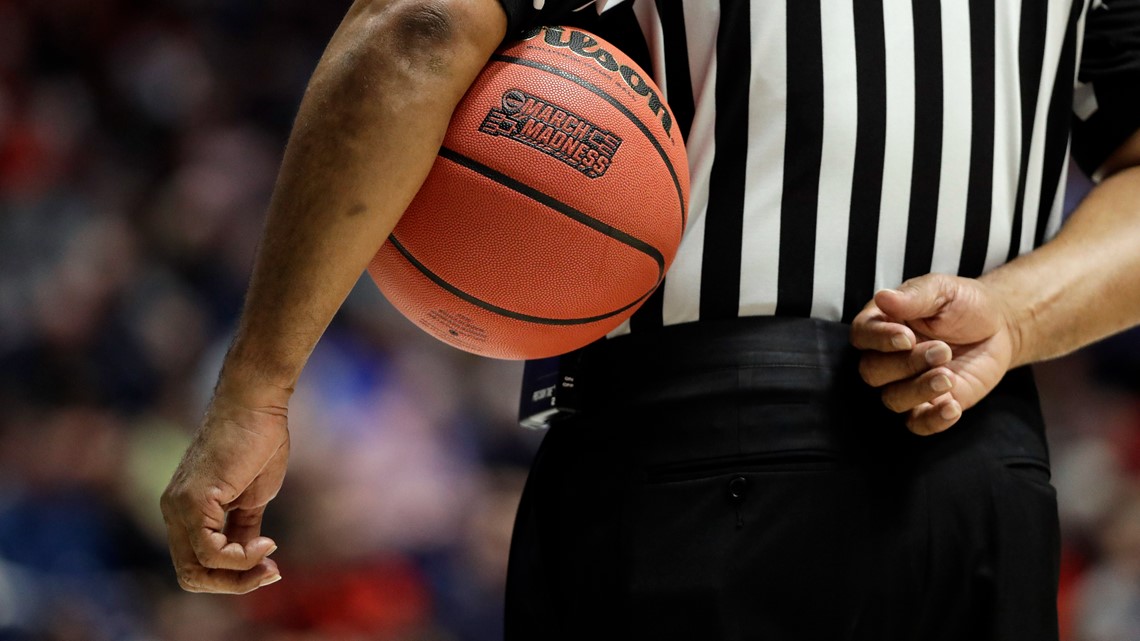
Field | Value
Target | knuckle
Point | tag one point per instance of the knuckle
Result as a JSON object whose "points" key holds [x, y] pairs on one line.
{"points": [[243, 518], [931, 430], [187, 584], [212, 561], [867, 371], [947, 424], [918, 425], [173, 501], [916, 363], [208, 558], [892, 402], [166, 503], [876, 369]]}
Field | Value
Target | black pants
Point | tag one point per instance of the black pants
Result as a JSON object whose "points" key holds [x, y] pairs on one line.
{"points": [[738, 481]]}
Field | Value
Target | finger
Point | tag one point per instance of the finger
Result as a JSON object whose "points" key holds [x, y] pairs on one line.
{"points": [[202, 519], [934, 417], [872, 330], [879, 369], [230, 581], [194, 577], [909, 394], [244, 527], [917, 298], [214, 550]]}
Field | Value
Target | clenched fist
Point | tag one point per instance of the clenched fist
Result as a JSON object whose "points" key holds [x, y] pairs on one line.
{"points": [[215, 501]]}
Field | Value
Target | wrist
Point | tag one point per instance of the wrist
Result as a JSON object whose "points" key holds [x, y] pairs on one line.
{"points": [[1018, 316], [254, 381], [1018, 327]]}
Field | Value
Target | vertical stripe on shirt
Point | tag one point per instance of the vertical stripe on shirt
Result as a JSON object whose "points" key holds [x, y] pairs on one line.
{"points": [[979, 200], [1007, 131], [957, 124], [767, 114], [1031, 59], [1056, 126], [1052, 43], [804, 125], [928, 132], [678, 81], [837, 162], [720, 270], [898, 159], [682, 286], [870, 141], [677, 86]]}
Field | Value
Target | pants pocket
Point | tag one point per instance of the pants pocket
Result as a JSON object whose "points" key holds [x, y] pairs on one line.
{"points": [[756, 547]]}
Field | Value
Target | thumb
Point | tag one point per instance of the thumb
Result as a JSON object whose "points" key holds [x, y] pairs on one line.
{"points": [[917, 298]]}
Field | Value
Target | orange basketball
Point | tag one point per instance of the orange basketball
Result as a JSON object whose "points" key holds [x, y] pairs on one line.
{"points": [[554, 208]]}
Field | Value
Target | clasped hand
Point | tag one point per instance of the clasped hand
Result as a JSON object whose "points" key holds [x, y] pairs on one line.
{"points": [[934, 347]]}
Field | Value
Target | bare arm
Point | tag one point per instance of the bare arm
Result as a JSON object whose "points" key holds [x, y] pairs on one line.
{"points": [[1084, 285], [366, 135], [938, 344]]}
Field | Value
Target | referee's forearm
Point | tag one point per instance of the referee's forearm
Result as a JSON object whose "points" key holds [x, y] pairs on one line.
{"points": [[366, 135], [1084, 285]]}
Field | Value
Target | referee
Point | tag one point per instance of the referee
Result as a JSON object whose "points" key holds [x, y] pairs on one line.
{"points": [[820, 426]]}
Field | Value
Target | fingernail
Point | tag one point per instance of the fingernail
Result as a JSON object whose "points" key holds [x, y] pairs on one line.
{"points": [[938, 355], [900, 341], [940, 383], [271, 550], [269, 580], [950, 411]]}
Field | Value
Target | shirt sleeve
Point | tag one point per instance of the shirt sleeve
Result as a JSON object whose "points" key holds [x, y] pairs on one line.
{"points": [[528, 14], [1106, 103]]}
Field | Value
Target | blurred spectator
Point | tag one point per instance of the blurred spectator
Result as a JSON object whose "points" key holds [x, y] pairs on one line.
{"points": [[138, 148], [1108, 607]]}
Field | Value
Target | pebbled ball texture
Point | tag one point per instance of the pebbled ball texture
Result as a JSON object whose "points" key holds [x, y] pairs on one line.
{"points": [[554, 208]]}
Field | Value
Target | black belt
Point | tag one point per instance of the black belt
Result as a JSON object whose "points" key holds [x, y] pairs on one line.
{"points": [[771, 383], [772, 358]]}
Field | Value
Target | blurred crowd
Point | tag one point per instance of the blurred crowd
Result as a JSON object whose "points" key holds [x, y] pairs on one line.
{"points": [[139, 143]]}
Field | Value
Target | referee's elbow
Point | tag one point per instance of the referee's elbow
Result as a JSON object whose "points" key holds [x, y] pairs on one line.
{"points": [[425, 36]]}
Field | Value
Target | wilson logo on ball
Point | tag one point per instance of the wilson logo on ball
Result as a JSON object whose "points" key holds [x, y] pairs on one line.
{"points": [[586, 45], [553, 130]]}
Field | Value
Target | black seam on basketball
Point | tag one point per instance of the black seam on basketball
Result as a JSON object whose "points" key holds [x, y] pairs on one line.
{"points": [[435, 278], [558, 206], [620, 107]]}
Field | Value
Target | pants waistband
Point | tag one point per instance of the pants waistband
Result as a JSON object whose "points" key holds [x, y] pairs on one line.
{"points": [[786, 358], [766, 384]]}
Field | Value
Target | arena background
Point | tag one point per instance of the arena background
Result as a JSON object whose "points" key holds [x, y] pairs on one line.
{"points": [[138, 146]]}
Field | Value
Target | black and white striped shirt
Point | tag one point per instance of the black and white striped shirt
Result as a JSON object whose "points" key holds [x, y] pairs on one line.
{"points": [[841, 146]]}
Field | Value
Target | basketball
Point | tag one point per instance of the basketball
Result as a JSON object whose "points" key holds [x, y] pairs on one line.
{"points": [[554, 208]]}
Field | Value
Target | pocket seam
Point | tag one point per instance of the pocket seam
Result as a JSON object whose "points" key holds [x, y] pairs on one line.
{"points": [[1029, 468], [806, 461]]}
